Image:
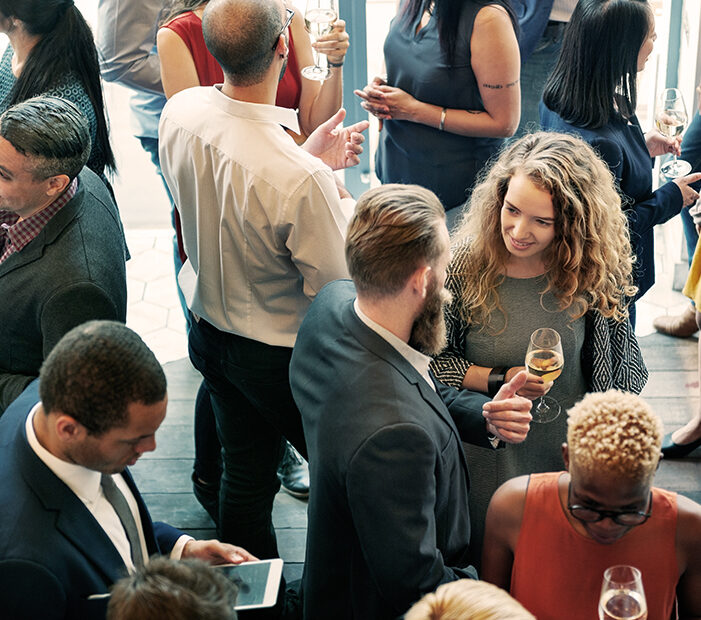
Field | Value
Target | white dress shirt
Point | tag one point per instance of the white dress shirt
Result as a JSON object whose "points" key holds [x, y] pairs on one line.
{"points": [[417, 359], [85, 484], [263, 225]]}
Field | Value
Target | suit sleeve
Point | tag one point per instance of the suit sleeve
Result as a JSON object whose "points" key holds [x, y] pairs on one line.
{"points": [[662, 205], [11, 386], [166, 536], [73, 305], [465, 408], [394, 513], [28, 591]]}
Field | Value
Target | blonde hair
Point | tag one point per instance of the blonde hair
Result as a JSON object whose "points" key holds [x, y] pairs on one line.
{"points": [[468, 599], [614, 432], [589, 262]]}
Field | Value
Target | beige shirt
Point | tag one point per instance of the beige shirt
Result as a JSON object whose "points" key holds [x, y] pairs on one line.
{"points": [[263, 225]]}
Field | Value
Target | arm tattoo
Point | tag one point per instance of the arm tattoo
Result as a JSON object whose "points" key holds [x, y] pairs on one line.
{"points": [[493, 86], [510, 84]]}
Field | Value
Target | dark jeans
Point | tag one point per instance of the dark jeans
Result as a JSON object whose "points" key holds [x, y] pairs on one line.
{"points": [[254, 410], [691, 152]]}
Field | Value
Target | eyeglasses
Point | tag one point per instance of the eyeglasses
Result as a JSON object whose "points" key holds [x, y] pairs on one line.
{"points": [[621, 517], [290, 15]]}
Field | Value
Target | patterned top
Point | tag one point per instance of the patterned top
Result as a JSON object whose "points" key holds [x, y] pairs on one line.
{"points": [[15, 235], [67, 87]]}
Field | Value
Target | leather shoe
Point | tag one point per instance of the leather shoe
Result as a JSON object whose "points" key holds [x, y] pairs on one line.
{"points": [[293, 473], [680, 326], [673, 450]]}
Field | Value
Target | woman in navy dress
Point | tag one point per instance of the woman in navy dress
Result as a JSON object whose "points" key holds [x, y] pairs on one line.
{"points": [[451, 94], [592, 93]]}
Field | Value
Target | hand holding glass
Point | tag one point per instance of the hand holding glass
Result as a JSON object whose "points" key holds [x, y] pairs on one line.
{"points": [[319, 18], [622, 594], [544, 359], [671, 118]]}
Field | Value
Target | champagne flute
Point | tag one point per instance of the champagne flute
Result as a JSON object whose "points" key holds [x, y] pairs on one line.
{"points": [[319, 17], [545, 359], [622, 594], [671, 118]]}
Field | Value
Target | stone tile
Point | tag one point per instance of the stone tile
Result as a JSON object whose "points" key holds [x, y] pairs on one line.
{"points": [[144, 318], [135, 291], [149, 265], [139, 241], [292, 543], [172, 475], [289, 512], [672, 383], [173, 441], [167, 344], [181, 510], [661, 354], [176, 319], [162, 292], [164, 241]]}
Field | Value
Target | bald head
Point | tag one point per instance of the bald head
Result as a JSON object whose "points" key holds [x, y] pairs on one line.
{"points": [[241, 35]]}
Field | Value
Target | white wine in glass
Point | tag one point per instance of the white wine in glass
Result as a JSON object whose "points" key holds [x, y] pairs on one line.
{"points": [[671, 119], [545, 359], [622, 595], [319, 17]]}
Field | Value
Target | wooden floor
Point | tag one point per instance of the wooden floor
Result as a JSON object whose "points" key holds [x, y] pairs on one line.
{"points": [[164, 475]]}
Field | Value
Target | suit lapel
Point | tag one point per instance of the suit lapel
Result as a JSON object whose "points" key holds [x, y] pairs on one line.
{"points": [[73, 519]]}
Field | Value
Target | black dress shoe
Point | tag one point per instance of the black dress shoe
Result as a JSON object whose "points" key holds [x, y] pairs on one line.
{"points": [[673, 450], [293, 473]]}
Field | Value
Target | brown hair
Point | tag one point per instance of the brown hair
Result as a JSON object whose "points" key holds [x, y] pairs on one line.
{"points": [[394, 230]]}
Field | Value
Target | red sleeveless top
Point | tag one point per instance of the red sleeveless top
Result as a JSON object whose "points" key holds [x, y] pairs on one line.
{"points": [[188, 27], [557, 571]]}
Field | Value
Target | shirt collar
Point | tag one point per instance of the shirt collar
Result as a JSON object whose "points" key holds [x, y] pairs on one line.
{"points": [[84, 482], [417, 359], [255, 111]]}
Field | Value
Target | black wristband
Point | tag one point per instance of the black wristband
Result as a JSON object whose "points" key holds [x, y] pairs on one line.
{"points": [[496, 379], [334, 64]]}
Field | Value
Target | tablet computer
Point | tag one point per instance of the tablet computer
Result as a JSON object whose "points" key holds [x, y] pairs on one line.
{"points": [[258, 582]]}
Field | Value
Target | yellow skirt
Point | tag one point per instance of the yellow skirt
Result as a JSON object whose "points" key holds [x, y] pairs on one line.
{"points": [[692, 288]]}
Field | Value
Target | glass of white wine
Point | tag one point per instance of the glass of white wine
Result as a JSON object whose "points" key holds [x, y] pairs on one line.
{"points": [[545, 359], [319, 17], [671, 118], [622, 594]]}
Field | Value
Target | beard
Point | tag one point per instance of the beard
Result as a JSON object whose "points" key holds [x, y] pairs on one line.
{"points": [[429, 334]]}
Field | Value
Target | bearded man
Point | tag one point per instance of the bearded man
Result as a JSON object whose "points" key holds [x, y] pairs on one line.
{"points": [[388, 515]]}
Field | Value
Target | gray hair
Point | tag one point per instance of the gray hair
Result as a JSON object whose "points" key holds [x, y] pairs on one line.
{"points": [[52, 132]]}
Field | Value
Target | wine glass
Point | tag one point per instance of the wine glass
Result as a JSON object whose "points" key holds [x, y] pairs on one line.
{"points": [[622, 594], [544, 358], [319, 17], [671, 118]]}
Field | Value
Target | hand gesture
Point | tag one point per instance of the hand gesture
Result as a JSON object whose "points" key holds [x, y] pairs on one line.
{"points": [[216, 552], [338, 147], [534, 387], [658, 144], [335, 44], [386, 102], [689, 194], [508, 416]]}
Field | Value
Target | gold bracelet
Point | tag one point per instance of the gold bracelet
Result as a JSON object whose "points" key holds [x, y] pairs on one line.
{"points": [[444, 113]]}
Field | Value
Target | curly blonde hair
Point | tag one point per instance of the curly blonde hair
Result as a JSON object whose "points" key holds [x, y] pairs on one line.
{"points": [[589, 262], [614, 432], [467, 599]]}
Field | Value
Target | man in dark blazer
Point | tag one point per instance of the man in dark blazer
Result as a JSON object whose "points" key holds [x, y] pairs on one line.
{"points": [[63, 540], [61, 242], [388, 514]]}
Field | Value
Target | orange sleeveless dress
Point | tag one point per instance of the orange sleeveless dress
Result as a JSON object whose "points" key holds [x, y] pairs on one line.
{"points": [[557, 572]]}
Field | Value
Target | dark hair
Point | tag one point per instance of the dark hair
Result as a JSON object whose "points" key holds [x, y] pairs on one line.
{"points": [[65, 46], [594, 79], [96, 371], [177, 7], [50, 130], [240, 35], [173, 589], [393, 231], [448, 13]]}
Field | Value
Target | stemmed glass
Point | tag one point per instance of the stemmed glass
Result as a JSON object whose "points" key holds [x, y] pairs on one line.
{"points": [[544, 358], [622, 594], [319, 17], [671, 118]]}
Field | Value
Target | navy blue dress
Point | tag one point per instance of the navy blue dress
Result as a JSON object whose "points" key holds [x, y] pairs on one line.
{"points": [[621, 145], [409, 152]]}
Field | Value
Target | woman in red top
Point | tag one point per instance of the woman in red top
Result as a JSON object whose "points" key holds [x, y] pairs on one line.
{"points": [[186, 62]]}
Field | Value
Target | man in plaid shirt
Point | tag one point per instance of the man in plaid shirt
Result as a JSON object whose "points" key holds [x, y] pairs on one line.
{"points": [[62, 246]]}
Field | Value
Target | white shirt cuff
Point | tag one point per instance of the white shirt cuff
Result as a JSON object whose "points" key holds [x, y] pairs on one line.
{"points": [[177, 551]]}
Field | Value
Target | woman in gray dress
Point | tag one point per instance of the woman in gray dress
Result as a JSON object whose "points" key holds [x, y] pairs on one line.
{"points": [[544, 243]]}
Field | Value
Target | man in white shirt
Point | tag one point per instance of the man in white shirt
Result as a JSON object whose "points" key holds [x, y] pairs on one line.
{"points": [[263, 225], [73, 521], [388, 514]]}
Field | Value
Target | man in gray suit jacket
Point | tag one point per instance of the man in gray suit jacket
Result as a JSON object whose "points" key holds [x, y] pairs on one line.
{"points": [[62, 246], [388, 515]]}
